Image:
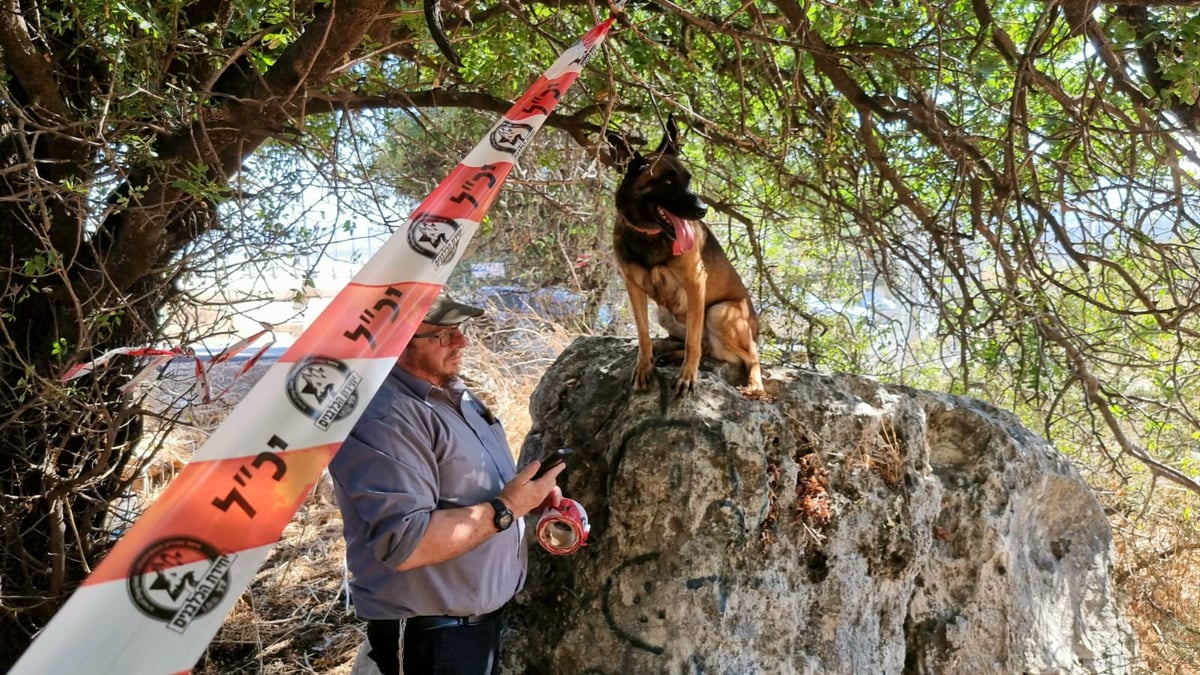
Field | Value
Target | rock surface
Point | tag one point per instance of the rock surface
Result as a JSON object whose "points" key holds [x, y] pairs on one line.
{"points": [[846, 527]]}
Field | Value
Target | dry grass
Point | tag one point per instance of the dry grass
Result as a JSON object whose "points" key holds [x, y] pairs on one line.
{"points": [[1157, 573], [505, 367], [294, 618], [880, 450]]}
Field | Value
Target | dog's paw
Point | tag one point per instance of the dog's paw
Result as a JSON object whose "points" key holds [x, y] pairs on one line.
{"points": [[755, 394], [685, 384], [642, 375]]}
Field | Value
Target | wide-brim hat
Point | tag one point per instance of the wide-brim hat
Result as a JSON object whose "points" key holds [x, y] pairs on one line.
{"points": [[446, 312]]}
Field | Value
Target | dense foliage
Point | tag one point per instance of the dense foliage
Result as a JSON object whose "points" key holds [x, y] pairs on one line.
{"points": [[993, 197]]}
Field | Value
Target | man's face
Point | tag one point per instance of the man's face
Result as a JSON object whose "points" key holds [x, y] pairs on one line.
{"points": [[428, 359]]}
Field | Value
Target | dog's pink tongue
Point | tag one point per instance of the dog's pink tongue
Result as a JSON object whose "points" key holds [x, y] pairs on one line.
{"points": [[685, 237]]}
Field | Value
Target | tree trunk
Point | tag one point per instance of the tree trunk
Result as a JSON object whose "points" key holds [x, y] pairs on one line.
{"points": [[77, 283]]}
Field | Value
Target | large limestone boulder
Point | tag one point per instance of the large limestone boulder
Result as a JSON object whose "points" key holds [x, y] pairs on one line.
{"points": [[846, 527]]}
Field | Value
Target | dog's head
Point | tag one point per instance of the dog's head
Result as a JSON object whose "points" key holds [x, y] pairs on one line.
{"points": [[655, 194]]}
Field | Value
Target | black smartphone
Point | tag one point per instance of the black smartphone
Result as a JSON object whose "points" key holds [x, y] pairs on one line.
{"points": [[552, 460]]}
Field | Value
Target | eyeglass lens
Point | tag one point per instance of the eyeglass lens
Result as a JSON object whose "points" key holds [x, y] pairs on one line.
{"points": [[446, 337]]}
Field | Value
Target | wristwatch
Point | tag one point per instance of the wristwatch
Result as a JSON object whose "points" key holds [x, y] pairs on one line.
{"points": [[504, 517]]}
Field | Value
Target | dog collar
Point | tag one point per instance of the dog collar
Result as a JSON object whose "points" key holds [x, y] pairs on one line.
{"points": [[645, 231]]}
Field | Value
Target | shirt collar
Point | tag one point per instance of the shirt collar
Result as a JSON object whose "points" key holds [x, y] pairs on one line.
{"points": [[423, 388]]}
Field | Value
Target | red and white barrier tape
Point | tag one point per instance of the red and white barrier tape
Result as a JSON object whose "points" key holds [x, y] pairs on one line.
{"points": [[160, 595], [162, 356]]}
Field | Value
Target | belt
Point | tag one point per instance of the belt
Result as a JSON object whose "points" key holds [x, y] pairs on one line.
{"points": [[435, 622]]}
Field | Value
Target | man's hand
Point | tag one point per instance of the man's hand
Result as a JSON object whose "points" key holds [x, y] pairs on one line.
{"points": [[523, 494], [453, 532]]}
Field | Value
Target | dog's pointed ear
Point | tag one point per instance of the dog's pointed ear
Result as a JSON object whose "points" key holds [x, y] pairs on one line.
{"points": [[621, 152], [670, 142]]}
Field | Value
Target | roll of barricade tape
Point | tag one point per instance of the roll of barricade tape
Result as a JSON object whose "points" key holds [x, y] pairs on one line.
{"points": [[563, 530]]}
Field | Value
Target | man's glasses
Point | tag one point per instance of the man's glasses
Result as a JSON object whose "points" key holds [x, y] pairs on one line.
{"points": [[444, 337]]}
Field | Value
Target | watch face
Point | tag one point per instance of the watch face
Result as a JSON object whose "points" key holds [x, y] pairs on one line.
{"points": [[504, 518]]}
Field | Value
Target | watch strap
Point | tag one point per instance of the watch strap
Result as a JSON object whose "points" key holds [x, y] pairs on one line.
{"points": [[503, 517]]}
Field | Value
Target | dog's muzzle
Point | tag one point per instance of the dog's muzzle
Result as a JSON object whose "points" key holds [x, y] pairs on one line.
{"points": [[563, 530]]}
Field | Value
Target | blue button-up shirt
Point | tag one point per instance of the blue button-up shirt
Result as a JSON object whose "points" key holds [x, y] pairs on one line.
{"points": [[417, 448]]}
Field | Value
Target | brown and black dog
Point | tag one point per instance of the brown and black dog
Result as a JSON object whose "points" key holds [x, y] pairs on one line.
{"points": [[666, 253]]}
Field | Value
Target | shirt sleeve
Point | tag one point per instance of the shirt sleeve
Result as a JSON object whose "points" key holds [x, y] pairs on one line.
{"points": [[389, 471]]}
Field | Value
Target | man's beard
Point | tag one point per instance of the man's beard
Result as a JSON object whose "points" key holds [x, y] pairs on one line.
{"points": [[438, 373]]}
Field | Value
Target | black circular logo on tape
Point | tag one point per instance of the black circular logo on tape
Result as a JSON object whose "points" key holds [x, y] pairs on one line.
{"points": [[178, 579], [435, 237], [325, 389]]}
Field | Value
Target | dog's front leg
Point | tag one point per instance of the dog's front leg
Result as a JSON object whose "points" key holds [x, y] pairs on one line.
{"points": [[638, 302], [694, 286]]}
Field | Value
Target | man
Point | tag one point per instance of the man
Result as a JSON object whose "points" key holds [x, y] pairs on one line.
{"points": [[431, 505]]}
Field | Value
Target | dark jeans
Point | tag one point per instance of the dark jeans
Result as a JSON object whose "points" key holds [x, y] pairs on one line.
{"points": [[456, 650]]}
